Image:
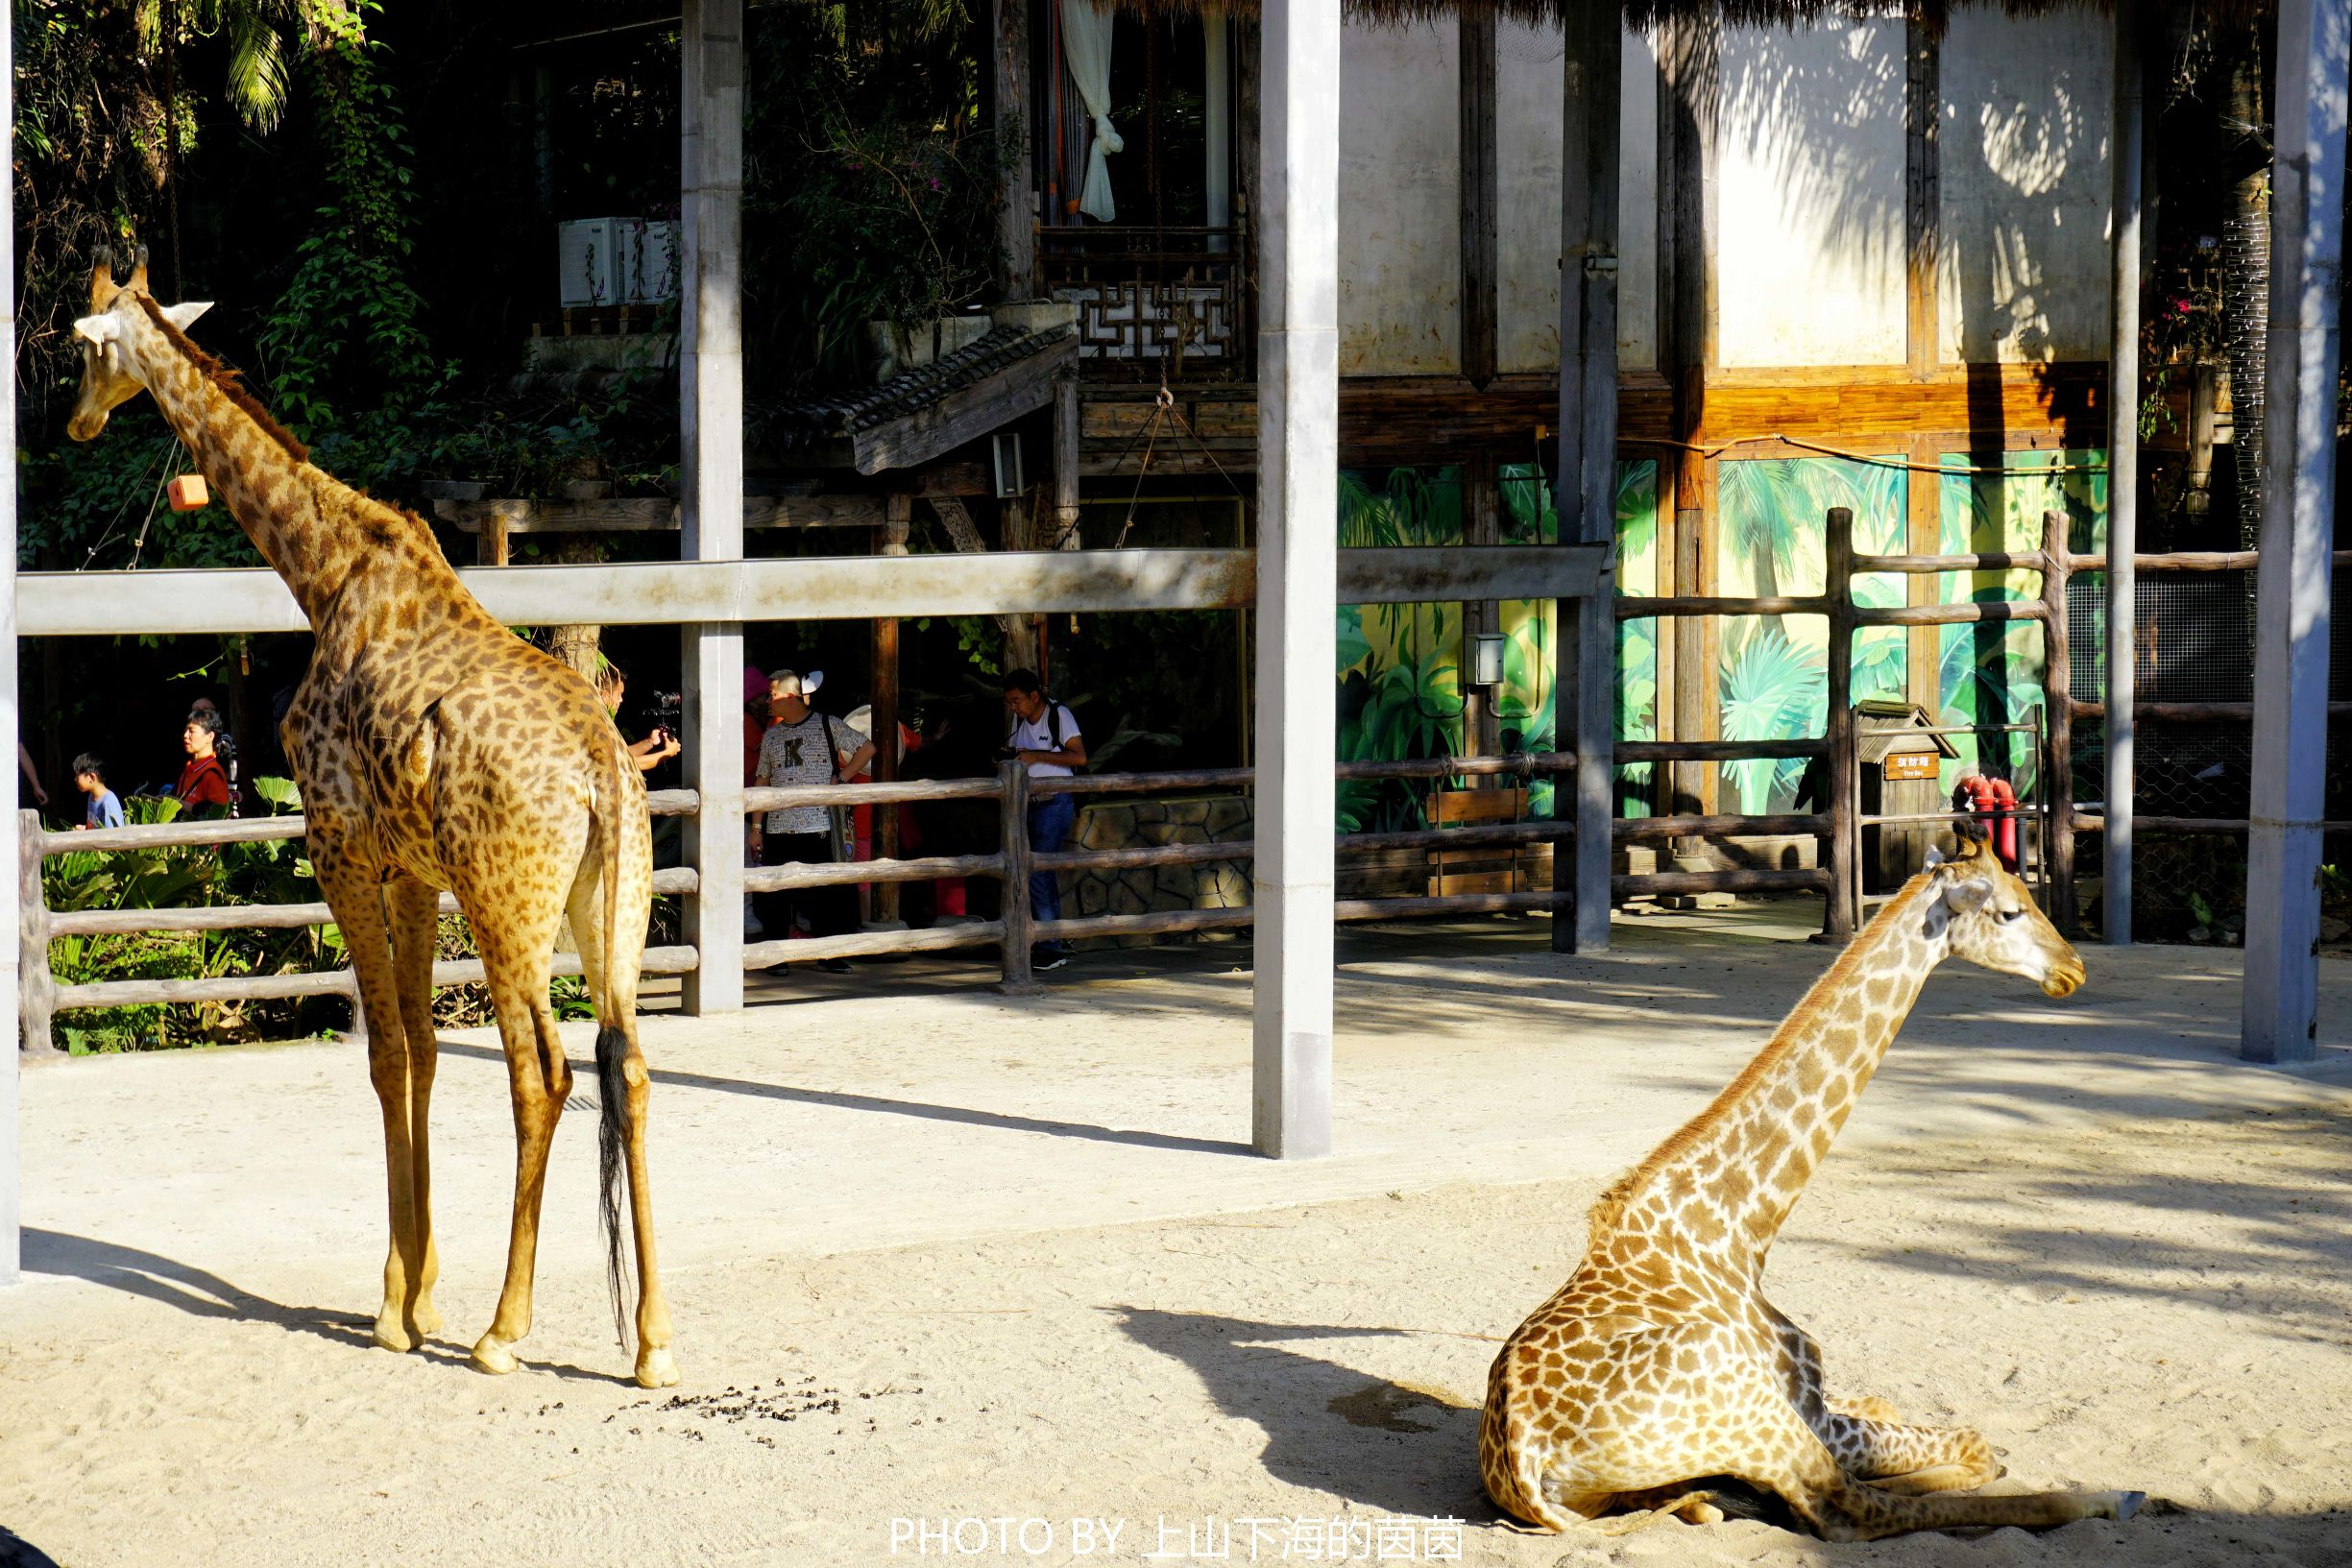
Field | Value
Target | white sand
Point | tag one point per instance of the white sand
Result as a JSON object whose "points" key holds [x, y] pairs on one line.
{"points": [[951, 1257]]}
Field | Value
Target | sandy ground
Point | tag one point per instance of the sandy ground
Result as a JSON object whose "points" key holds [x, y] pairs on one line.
{"points": [[941, 1259]]}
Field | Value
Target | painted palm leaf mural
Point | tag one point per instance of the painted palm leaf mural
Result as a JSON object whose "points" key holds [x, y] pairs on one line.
{"points": [[1991, 674], [1772, 520], [1399, 666]]}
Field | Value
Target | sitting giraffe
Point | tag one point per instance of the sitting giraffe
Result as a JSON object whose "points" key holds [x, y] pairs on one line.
{"points": [[1659, 1368], [434, 749]]}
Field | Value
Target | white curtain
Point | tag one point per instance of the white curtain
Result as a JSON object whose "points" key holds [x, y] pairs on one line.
{"points": [[1085, 43]]}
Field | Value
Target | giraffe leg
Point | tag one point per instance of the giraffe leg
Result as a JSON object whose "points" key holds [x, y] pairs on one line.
{"points": [[515, 957], [612, 983], [1869, 1408], [355, 896], [412, 909], [1897, 1458], [1789, 1459]]}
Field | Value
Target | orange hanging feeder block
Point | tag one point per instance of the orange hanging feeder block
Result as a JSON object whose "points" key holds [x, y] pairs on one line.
{"points": [[188, 492]]}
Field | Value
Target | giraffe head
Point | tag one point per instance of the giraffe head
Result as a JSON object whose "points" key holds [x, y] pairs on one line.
{"points": [[110, 373], [1985, 913]]}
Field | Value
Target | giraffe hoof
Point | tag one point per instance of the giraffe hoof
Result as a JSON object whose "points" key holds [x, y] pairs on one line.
{"points": [[392, 1334], [492, 1355], [426, 1317], [655, 1369]]}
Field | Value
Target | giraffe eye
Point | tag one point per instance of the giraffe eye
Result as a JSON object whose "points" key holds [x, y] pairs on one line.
{"points": [[2008, 915]]}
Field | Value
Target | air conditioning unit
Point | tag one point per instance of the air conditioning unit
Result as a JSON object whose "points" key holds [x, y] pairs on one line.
{"points": [[653, 273], [594, 260]]}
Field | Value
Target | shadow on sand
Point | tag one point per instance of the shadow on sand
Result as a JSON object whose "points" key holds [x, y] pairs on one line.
{"points": [[1382, 1445], [201, 1293]]}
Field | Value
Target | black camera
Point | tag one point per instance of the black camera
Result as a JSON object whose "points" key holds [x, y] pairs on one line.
{"points": [[670, 710]]}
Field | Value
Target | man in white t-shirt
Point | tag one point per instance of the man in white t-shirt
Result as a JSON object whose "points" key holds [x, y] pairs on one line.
{"points": [[804, 747], [1045, 735]]}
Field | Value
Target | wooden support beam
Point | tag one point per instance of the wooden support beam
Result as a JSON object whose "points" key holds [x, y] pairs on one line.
{"points": [[1480, 229], [1066, 445], [2280, 1022], [2058, 713], [1585, 495], [494, 520], [899, 521], [1922, 193], [1840, 848]]}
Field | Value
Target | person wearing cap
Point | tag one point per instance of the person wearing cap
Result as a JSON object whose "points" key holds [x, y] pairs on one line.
{"points": [[805, 747]]}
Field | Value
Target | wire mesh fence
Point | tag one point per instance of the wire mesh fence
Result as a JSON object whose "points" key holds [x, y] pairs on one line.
{"points": [[2195, 644]]}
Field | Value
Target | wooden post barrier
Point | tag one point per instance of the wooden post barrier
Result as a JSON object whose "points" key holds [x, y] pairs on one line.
{"points": [[1013, 775], [1841, 847], [2058, 711]]}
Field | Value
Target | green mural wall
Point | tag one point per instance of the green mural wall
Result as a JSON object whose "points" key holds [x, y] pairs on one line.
{"points": [[1399, 666]]}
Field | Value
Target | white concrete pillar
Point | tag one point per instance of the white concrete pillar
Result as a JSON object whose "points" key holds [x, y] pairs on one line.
{"points": [[2291, 642], [2122, 485], [12, 1232], [711, 481], [1298, 226]]}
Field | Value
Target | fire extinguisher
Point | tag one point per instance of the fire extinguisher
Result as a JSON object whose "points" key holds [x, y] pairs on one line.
{"points": [[1996, 801]]}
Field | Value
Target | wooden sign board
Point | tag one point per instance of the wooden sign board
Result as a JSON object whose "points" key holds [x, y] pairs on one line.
{"points": [[1911, 765]]}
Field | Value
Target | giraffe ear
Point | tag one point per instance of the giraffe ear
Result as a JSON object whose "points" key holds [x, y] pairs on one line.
{"points": [[101, 328], [1962, 897], [1935, 856], [183, 315]]}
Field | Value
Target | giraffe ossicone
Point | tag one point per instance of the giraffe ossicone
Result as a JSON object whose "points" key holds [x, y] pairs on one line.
{"points": [[1659, 1372], [435, 750]]}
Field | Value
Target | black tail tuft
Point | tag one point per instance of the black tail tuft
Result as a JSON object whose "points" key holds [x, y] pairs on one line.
{"points": [[612, 1136]]}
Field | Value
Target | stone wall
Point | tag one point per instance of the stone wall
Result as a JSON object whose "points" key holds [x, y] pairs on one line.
{"points": [[1133, 824]]}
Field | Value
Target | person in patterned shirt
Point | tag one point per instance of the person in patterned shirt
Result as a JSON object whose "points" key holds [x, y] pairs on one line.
{"points": [[804, 747]]}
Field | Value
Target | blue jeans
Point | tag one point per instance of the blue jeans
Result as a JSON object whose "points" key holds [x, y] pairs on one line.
{"points": [[1050, 821]]}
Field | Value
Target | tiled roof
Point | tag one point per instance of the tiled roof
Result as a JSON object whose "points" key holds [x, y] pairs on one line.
{"points": [[795, 425]]}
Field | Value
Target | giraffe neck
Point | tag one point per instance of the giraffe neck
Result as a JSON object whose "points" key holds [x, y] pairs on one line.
{"points": [[1730, 1177], [282, 501]]}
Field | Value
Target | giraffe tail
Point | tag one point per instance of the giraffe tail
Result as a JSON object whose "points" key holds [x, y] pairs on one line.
{"points": [[611, 1058]]}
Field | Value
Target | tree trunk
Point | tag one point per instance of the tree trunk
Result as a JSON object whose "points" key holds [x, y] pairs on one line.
{"points": [[579, 646], [2246, 282]]}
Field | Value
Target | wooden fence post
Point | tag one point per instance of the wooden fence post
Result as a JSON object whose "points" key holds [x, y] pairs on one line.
{"points": [[37, 988], [1013, 776], [2058, 719], [1842, 848]]}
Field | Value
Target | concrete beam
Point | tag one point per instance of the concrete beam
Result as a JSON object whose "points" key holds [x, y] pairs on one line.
{"points": [[711, 472], [1298, 404], [2122, 483], [2292, 591], [10, 719], [829, 587]]}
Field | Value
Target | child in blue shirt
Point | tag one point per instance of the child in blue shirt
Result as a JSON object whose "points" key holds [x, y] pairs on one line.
{"points": [[103, 810]]}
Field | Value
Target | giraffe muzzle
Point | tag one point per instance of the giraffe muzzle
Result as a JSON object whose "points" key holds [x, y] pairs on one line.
{"points": [[2065, 978]]}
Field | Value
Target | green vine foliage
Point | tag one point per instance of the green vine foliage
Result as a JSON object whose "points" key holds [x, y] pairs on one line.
{"points": [[351, 317]]}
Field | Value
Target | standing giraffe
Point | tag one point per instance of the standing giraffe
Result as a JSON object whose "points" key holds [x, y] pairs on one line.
{"points": [[434, 749], [1661, 1368]]}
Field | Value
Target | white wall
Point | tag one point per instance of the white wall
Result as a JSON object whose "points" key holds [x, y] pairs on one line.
{"points": [[1400, 201], [1527, 135], [1810, 239], [2022, 270]]}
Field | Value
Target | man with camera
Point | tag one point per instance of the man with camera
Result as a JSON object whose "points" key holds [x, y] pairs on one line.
{"points": [[655, 749], [805, 747], [1045, 735]]}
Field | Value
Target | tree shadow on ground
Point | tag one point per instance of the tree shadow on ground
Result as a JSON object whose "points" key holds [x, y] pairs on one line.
{"points": [[1382, 1445], [201, 1293]]}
